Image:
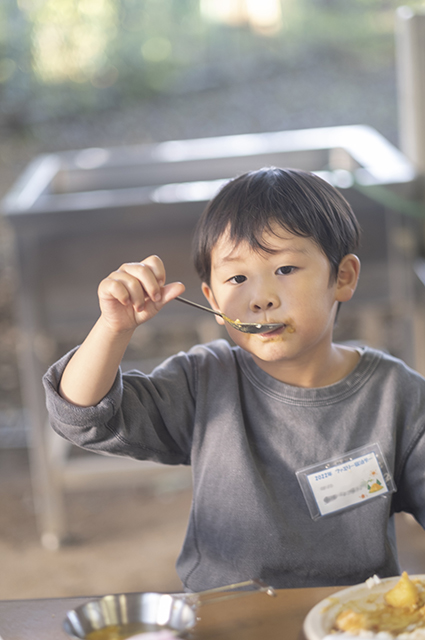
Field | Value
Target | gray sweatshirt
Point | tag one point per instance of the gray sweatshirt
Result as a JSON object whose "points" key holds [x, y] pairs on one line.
{"points": [[246, 434]]}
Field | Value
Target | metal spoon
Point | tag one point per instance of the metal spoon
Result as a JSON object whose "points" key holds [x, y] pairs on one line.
{"points": [[245, 327], [216, 594]]}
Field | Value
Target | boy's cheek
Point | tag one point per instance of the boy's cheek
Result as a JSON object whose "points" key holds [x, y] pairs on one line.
{"points": [[208, 293]]}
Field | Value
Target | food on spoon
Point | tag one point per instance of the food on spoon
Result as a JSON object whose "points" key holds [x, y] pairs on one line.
{"points": [[401, 610], [237, 321]]}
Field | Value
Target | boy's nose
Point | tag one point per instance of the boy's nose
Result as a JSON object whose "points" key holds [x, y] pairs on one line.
{"points": [[264, 302]]}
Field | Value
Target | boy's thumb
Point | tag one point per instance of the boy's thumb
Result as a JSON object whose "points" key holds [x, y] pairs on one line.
{"points": [[171, 291]]}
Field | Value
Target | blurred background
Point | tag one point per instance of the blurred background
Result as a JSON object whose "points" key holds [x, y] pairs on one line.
{"points": [[110, 74]]}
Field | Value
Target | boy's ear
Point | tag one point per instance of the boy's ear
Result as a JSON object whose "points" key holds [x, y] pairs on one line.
{"points": [[207, 291], [348, 276]]}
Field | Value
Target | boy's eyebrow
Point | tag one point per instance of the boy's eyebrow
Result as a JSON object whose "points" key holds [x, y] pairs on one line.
{"points": [[231, 257]]}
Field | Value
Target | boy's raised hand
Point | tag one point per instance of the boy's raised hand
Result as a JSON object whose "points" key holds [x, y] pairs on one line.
{"points": [[135, 293], [128, 297]]}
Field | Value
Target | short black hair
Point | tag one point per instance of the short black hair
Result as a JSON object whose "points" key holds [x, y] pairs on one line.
{"points": [[298, 201]]}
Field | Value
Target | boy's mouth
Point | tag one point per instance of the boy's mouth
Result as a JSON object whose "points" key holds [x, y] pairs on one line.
{"points": [[286, 327]]}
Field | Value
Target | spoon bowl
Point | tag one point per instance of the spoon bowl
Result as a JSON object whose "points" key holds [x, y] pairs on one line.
{"points": [[245, 327]]}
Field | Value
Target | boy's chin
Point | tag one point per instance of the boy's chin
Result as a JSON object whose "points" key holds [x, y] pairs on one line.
{"points": [[263, 347]]}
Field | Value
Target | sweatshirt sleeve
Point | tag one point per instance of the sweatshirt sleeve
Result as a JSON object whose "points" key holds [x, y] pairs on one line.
{"points": [[147, 417]]}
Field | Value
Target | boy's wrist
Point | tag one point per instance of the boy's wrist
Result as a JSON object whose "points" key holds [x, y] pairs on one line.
{"points": [[112, 333]]}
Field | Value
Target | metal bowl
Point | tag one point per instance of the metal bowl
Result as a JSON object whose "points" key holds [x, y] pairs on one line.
{"points": [[136, 611]]}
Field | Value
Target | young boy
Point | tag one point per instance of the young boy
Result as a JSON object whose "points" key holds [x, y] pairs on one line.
{"points": [[296, 444]]}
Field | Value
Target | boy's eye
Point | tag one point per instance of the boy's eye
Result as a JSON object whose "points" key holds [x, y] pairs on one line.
{"points": [[237, 279], [285, 271]]}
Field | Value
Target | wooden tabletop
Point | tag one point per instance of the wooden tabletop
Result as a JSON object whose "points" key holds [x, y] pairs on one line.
{"points": [[255, 616]]}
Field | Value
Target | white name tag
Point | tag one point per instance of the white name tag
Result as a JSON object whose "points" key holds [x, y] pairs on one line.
{"points": [[340, 483]]}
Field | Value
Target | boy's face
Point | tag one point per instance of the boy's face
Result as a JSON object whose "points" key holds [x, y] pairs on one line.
{"points": [[292, 285]]}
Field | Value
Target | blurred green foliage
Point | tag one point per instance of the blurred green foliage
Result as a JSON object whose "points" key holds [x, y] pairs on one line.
{"points": [[60, 57]]}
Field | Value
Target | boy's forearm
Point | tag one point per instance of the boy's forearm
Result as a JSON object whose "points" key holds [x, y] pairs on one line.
{"points": [[91, 371]]}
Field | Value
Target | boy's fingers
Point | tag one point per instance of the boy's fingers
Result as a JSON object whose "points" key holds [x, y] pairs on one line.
{"points": [[150, 275], [136, 284], [157, 266], [115, 289], [124, 287]]}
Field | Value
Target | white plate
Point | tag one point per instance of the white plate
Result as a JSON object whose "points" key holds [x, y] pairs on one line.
{"points": [[320, 619]]}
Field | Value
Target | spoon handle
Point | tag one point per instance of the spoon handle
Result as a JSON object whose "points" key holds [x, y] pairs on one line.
{"points": [[209, 595], [199, 306]]}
